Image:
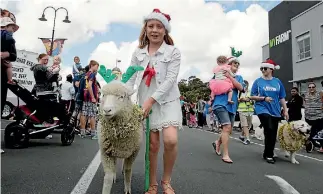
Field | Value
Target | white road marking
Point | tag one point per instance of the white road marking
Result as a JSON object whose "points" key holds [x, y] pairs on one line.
{"points": [[262, 145], [86, 179], [283, 185]]}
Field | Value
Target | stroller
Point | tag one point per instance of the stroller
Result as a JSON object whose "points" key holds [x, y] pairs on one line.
{"points": [[315, 142], [37, 119]]}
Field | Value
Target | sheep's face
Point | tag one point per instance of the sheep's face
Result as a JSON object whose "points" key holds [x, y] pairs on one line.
{"points": [[116, 98]]}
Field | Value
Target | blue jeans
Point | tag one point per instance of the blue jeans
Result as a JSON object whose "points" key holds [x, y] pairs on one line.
{"points": [[224, 117]]}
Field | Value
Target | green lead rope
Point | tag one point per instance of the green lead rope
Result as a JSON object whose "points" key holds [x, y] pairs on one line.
{"points": [[147, 161]]}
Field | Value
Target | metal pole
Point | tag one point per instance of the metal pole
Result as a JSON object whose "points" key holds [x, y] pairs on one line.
{"points": [[53, 34], [53, 31]]}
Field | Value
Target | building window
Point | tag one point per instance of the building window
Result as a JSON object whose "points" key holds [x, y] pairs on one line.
{"points": [[304, 46]]}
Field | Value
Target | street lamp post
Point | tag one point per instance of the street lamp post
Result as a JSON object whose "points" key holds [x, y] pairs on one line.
{"points": [[66, 20]]}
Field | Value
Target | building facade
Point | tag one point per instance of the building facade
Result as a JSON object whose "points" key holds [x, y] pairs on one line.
{"points": [[280, 45], [265, 52], [307, 47]]}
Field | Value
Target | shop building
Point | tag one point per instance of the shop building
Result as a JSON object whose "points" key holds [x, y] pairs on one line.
{"points": [[296, 42], [307, 47]]}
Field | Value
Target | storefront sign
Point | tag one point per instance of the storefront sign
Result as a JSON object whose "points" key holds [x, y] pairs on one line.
{"points": [[279, 39]]}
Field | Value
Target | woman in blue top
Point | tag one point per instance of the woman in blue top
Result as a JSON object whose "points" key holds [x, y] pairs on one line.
{"points": [[225, 112], [269, 94]]}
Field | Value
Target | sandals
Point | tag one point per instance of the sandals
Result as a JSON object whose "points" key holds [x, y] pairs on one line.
{"points": [[152, 189], [167, 188], [227, 160], [216, 147]]}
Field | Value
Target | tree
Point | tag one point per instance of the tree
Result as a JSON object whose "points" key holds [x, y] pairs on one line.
{"points": [[193, 87]]}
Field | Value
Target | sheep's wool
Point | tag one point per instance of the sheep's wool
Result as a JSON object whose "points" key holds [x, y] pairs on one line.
{"points": [[120, 136], [290, 140]]}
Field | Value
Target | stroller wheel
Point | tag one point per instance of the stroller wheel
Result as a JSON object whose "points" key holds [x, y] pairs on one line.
{"points": [[67, 136], [309, 146], [16, 136]]}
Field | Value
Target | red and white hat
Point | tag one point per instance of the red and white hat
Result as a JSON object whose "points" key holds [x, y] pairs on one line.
{"points": [[162, 17], [230, 59], [270, 64]]}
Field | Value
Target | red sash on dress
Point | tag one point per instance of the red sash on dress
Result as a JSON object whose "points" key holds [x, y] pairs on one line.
{"points": [[150, 73]]}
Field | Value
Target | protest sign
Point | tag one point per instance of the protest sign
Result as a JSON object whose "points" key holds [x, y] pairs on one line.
{"points": [[21, 68]]}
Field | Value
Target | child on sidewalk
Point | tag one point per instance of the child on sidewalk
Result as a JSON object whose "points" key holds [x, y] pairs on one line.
{"points": [[192, 113]]}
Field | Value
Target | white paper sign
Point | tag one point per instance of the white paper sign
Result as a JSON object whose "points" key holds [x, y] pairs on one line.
{"points": [[21, 68]]}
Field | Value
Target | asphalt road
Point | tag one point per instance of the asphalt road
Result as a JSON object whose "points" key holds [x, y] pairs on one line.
{"points": [[48, 168]]}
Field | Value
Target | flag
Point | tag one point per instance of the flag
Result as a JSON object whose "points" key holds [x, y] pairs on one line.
{"points": [[57, 46]]}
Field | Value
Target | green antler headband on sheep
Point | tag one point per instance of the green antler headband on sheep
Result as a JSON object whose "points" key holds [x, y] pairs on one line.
{"points": [[235, 53], [108, 76]]}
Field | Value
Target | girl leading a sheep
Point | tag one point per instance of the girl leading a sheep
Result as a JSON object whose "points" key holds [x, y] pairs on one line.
{"points": [[159, 92]]}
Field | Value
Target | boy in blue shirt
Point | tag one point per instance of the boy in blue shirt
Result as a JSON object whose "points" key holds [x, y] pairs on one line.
{"points": [[77, 67]]}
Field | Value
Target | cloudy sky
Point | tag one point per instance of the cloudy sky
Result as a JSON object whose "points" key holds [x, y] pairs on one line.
{"points": [[106, 30]]}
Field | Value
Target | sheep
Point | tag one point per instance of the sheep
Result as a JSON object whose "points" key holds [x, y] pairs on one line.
{"points": [[121, 133]]}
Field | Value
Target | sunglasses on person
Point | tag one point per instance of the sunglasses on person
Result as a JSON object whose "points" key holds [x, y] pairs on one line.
{"points": [[311, 87], [264, 68]]}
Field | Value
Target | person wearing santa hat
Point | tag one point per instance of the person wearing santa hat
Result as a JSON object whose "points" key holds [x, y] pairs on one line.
{"points": [[269, 94], [158, 91]]}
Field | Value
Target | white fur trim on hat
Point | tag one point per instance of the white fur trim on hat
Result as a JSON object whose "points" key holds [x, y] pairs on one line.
{"points": [[269, 65], [160, 17], [230, 59]]}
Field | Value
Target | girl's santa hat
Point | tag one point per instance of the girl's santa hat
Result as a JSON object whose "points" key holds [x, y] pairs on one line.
{"points": [[234, 55], [160, 16], [270, 64]]}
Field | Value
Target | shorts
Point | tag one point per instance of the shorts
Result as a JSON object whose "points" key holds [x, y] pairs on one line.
{"points": [[245, 119], [89, 109], [224, 117]]}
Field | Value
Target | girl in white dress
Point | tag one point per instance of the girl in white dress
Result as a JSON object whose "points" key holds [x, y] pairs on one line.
{"points": [[158, 91]]}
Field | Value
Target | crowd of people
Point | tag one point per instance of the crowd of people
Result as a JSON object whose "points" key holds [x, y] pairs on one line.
{"points": [[159, 92], [266, 99], [80, 90]]}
